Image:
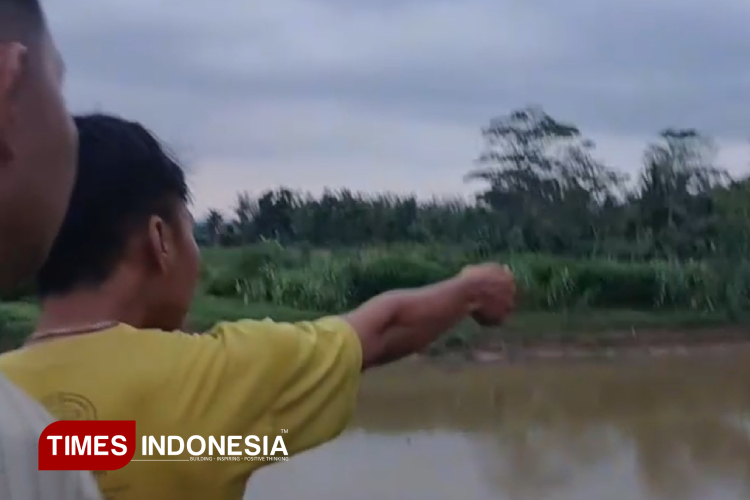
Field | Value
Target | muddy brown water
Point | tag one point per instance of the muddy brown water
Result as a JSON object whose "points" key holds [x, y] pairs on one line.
{"points": [[666, 429]]}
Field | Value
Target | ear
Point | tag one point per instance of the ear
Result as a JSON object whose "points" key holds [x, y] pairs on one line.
{"points": [[13, 58], [160, 245]]}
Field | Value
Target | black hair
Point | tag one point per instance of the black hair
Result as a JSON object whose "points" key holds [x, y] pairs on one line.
{"points": [[124, 177], [20, 17]]}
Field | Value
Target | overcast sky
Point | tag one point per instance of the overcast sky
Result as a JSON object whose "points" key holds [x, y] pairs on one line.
{"points": [[391, 94]]}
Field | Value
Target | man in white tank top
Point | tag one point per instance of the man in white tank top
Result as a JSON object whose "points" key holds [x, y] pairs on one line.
{"points": [[38, 154]]}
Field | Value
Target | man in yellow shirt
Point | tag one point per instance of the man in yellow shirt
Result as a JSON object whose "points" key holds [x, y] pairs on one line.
{"points": [[116, 290]]}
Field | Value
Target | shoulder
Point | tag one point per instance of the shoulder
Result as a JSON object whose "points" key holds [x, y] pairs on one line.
{"points": [[330, 332]]}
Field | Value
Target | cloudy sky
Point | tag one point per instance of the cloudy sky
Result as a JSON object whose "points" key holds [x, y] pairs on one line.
{"points": [[391, 94]]}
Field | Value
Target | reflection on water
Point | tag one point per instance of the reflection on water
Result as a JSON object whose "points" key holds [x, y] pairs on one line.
{"points": [[656, 430]]}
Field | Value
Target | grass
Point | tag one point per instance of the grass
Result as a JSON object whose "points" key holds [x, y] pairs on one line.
{"points": [[21, 312], [561, 299], [340, 279], [208, 310]]}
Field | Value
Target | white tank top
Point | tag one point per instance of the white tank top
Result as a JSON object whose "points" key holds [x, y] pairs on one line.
{"points": [[22, 421]]}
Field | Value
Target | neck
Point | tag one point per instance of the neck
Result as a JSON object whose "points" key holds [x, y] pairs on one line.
{"points": [[85, 308]]}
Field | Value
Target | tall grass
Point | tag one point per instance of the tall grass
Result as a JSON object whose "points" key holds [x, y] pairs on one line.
{"points": [[558, 295], [331, 281]]}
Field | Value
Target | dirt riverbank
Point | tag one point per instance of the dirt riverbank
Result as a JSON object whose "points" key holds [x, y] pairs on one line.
{"points": [[615, 345]]}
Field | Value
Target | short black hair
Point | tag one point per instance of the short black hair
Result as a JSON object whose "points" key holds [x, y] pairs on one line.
{"points": [[20, 17], [124, 177]]}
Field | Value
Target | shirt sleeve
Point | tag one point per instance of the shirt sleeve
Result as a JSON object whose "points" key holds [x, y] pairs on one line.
{"points": [[296, 380]]}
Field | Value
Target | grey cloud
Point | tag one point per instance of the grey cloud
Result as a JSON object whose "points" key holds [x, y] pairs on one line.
{"points": [[625, 67], [619, 68]]}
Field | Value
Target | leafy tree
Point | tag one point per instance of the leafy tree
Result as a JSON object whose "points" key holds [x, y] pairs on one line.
{"points": [[543, 190]]}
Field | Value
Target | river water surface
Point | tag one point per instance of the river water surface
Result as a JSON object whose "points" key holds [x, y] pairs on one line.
{"points": [[657, 429]]}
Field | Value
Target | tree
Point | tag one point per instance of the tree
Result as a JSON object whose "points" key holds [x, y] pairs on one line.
{"points": [[246, 210], [214, 226], [273, 218], [540, 169], [544, 189], [676, 191]]}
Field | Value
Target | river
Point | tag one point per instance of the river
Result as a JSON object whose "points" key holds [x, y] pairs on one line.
{"points": [[666, 429]]}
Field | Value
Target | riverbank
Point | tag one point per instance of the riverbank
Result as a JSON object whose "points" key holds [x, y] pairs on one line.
{"points": [[581, 334], [622, 346]]}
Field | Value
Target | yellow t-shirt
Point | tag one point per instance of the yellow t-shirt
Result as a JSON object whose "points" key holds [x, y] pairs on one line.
{"points": [[247, 378]]}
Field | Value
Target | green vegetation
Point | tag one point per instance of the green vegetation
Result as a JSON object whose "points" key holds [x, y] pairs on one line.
{"points": [[591, 251], [560, 298], [541, 190], [338, 280], [16, 321]]}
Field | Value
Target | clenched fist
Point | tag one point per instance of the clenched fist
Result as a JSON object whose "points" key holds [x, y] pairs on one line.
{"points": [[493, 292]]}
